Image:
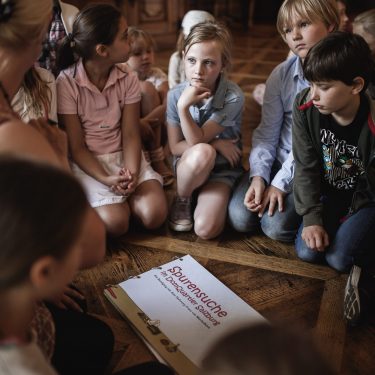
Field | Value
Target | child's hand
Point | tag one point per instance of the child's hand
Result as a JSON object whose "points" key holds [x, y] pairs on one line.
{"points": [[316, 237], [192, 95], [115, 180], [68, 298], [254, 194], [272, 196], [128, 186], [229, 149]]}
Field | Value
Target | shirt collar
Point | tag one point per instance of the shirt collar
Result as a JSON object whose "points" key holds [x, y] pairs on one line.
{"points": [[80, 75], [298, 71]]}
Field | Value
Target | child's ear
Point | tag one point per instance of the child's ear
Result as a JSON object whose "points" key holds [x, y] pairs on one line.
{"points": [[331, 28], [101, 50], [42, 275], [358, 84]]}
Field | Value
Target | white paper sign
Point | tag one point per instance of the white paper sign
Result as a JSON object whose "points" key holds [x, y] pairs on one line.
{"points": [[193, 306]]}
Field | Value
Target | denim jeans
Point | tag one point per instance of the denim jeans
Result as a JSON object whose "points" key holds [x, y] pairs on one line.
{"points": [[282, 226], [349, 242]]}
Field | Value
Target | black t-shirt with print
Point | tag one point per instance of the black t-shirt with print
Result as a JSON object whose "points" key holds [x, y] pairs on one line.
{"points": [[341, 159]]}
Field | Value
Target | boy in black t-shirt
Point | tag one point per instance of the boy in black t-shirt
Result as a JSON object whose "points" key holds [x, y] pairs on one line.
{"points": [[334, 152]]}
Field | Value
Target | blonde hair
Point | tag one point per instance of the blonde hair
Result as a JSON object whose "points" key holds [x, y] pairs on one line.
{"points": [[180, 43], [367, 20], [35, 93], [313, 10], [135, 35], [26, 22], [206, 31]]}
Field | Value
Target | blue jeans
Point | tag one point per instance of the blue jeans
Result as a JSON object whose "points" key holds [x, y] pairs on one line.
{"points": [[282, 226], [349, 242]]}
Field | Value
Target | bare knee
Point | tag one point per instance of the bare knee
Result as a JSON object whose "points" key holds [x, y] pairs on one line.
{"points": [[116, 226], [201, 156], [149, 204], [207, 229], [155, 219], [116, 221]]}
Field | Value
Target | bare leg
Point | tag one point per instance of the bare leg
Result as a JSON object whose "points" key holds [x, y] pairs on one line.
{"points": [[194, 168], [93, 244], [115, 218], [149, 204], [211, 211]]}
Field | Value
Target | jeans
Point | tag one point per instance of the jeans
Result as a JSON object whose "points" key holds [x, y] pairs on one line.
{"points": [[282, 226], [350, 242]]}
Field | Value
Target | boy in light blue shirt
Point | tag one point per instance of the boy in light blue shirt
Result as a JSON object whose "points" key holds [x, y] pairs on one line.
{"points": [[268, 184]]}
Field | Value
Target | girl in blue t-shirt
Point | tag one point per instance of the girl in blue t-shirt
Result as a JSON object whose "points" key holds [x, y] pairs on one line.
{"points": [[204, 119]]}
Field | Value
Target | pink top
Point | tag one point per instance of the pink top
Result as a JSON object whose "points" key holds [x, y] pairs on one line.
{"points": [[98, 112]]}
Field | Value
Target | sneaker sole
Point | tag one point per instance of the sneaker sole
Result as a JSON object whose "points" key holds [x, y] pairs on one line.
{"points": [[352, 305], [180, 227]]}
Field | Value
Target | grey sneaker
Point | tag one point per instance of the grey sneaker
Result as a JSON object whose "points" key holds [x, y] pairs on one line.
{"points": [[180, 217], [352, 302]]}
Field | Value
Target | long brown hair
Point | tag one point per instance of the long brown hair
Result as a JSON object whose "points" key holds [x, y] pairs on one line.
{"points": [[95, 24]]}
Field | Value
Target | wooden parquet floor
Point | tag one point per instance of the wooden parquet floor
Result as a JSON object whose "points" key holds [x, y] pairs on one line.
{"points": [[265, 273]]}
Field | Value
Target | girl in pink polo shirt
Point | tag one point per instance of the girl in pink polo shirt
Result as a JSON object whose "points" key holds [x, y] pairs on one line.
{"points": [[98, 104]]}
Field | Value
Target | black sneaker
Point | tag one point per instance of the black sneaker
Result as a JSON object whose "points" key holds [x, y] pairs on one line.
{"points": [[352, 302]]}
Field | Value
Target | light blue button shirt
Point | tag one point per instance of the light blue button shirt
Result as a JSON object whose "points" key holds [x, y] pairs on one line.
{"points": [[224, 107], [273, 137]]}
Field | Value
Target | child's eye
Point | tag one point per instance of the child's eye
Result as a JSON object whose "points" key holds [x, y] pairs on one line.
{"points": [[304, 24], [323, 86], [287, 30]]}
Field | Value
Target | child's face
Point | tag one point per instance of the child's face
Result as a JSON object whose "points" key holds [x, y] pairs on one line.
{"points": [[332, 97], [203, 64], [303, 34], [370, 39], [141, 58], [344, 19], [119, 49]]}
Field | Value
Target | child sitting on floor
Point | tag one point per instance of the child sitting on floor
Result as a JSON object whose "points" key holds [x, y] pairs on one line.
{"points": [[41, 240], [154, 89], [98, 104], [204, 116], [333, 148], [41, 248], [264, 196]]}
